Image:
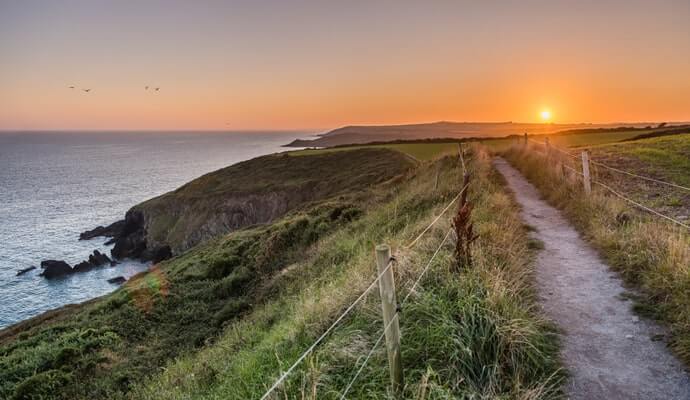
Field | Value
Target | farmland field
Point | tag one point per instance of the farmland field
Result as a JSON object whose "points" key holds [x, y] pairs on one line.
{"points": [[420, 151]]}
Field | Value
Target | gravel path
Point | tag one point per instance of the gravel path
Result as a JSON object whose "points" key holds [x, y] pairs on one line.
{"points": [[608, 351]]}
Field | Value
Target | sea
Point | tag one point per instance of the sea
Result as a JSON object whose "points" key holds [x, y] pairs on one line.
{"points": [[55, 185]]}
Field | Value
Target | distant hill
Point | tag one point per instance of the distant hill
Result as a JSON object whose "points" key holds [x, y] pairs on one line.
{"points": [[459, 130]]}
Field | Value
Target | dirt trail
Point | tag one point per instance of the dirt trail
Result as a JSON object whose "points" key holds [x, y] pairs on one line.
{"points": [[608, 351]]}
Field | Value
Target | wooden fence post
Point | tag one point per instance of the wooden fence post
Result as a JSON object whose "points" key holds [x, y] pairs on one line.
{"points": [[586, 180], [389, 308], [525, 139]]}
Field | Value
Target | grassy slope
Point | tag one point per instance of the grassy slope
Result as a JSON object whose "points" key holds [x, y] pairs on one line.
{"points": [[236, 311], [217, 202], [468, 333], [582, 138], [650, 253], [103, 347], [666, 157], [420, 151]]}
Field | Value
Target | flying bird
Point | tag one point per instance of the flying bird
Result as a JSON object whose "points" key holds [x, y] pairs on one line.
{"points": [[71, 87], [86, 90], [146, 88], [157, 89]]}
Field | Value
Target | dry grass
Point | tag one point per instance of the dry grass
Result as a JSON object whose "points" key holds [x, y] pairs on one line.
{"points": [[468, 334], [649, 252]]}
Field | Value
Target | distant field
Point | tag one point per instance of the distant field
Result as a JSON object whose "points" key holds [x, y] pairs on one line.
{"points": [[666, 157], [582, 139], [592, 139], [420, 151]]}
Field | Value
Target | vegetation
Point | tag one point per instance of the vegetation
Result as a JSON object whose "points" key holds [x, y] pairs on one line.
{"points": [[650, 253], [663, 157], [101, 348], [468, 334], [226, 317], [419, 150], [589, 137], [260, 190]]}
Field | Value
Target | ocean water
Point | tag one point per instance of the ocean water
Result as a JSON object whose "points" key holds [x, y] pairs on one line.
{"points": [[55, 185]]}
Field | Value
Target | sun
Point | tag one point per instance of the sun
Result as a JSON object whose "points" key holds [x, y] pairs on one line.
{"points": [[545, 115]]}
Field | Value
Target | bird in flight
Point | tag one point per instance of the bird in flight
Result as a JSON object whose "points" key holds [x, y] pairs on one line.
{"points": [[157, 89], [146, 88], [71, 87], [86, 90]]}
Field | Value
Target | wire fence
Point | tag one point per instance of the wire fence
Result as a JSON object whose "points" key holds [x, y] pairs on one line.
{"points": [[547, 146], [373, 284]]}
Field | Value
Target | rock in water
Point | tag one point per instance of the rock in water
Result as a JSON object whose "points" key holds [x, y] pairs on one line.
{"points": [[95, 260], [131, 242], [111, 230], [55, 269], [118, 280], [98, 258], [83, 266], [25, 270]]}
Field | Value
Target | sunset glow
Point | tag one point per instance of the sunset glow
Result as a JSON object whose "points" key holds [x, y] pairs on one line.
{"points": [[320, 65], [545, 115]]}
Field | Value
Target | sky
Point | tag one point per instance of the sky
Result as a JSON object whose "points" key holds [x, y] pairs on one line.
{"points": [[282, 65]]}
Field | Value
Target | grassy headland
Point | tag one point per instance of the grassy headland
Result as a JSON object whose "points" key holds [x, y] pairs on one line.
{"points": [[227, 316], [468, 333]]}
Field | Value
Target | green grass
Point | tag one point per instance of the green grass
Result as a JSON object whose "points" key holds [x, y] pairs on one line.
{"points": [[470, 333], [262, 189], [649, 252], [224, 319], [666, 157], [419, 151], [590, 139]]}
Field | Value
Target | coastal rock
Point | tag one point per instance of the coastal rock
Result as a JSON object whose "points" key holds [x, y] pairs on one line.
{"points": [[55, 268], [132, 239], [98, 258], [161, 253], [83, 267], [25, 270], [252, 192], [118, 280], [95, 260], [111, 230]]}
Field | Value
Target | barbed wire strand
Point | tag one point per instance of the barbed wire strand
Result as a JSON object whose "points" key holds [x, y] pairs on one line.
{"points": [[413, 242], [641, 206], [640, 176], [409, 293], [675, 221], [366, 359], [330, 328], [426, 268], [647, 178]]}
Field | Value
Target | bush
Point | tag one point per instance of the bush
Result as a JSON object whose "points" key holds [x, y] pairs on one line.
{"points": [[42, 385], [232, 309], [235, 283]]}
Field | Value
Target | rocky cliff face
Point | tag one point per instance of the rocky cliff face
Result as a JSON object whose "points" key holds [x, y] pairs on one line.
{"points": [[253, 192]]}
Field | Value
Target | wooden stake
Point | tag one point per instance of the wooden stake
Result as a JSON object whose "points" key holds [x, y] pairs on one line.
{"points": [[389, 308], [585, 172]]}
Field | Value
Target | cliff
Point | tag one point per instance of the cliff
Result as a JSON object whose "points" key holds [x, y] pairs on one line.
{"points": [[248, 193]]}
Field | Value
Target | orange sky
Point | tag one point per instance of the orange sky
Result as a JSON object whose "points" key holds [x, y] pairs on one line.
{"points": [[319, 65]]}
